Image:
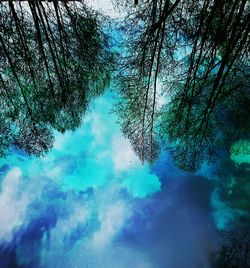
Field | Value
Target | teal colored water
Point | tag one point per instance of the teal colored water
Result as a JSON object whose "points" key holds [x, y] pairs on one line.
{"points": [[89, 156]]}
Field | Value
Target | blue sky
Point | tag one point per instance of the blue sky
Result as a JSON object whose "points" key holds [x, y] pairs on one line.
{"points": [[87, 183], [91, 203]]}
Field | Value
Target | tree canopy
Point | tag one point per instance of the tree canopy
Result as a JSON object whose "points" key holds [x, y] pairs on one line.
{"points": [[183, 74], [234, 251], [184, 80], [54, 58]]}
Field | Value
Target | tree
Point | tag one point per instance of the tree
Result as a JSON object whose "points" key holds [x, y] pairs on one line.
{"points": [[54, 58], [195, 54], [234, 253]]}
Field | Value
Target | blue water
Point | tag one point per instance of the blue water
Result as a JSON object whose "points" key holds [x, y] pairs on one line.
{"points": [[91, 203]]}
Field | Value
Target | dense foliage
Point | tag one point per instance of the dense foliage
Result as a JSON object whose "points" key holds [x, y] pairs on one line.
{"points": [[184, 74], [235, 252], [195, 56], [54, 58]]}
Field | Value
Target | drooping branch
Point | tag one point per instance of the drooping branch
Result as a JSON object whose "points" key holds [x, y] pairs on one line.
{"points": [[203, 44]]}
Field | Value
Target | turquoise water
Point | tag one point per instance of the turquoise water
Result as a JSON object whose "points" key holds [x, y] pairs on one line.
{"points": [[90, 202]]}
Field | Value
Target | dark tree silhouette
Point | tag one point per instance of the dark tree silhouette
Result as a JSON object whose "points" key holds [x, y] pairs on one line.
{"points": [[196, 55], [234, 253], [54, 58]]}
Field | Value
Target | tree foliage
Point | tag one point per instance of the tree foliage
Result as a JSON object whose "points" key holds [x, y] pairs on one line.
{"points": [[234, 253], [195, 54], [54, 58]]}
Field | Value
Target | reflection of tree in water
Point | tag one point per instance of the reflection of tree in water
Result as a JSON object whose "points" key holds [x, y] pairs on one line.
{"points": [[234, 188], [53, 60], [184, 85], [234, 253], [197, 54]]}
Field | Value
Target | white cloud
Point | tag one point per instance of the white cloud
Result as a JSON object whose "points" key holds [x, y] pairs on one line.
{"points": [[106, 7], [79, 215], [13, 204], [98, 128], [122, 154], [112, 219]]}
